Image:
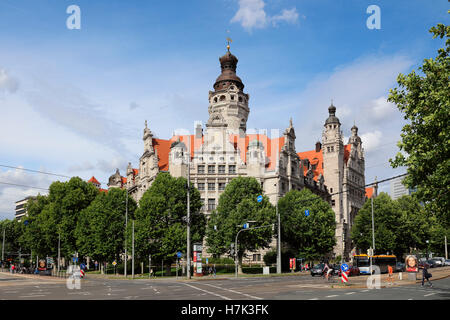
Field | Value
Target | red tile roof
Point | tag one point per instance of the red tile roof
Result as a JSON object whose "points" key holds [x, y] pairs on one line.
{"points": [[93, 180], [104, 190], [315, 158], [124, 180]]}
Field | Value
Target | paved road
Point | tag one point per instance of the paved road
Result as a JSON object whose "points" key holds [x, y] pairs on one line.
{"points": [[277, 288]]}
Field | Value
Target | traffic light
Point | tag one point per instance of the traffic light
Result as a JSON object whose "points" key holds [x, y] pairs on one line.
{"points": [[232, 251]]}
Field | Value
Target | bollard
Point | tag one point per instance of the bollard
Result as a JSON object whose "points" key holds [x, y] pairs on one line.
{"points": [[400, 276]]}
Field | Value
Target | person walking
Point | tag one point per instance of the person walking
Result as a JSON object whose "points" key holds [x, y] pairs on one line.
{"points": [[426, 275], [390, 275]]}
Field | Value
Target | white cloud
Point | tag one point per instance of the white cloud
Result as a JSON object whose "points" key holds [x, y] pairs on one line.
{"points": [[371, 140], [10, 194], [251, 15], [7, 82], [288, 16], [381, 108]]}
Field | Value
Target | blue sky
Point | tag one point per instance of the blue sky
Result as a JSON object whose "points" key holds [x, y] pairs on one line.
{"points": [[74, 101]]}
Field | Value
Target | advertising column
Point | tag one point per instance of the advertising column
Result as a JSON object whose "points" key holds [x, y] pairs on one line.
{"points": [[198, 260]]}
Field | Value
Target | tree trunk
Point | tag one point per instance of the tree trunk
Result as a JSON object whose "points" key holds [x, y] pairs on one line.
{"points": [[240, 264]]}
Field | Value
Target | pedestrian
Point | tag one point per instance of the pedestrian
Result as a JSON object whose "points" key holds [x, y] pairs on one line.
{"points": [[210, 271], [214, 270], [151, 273], [390, 275], [426, 275]]}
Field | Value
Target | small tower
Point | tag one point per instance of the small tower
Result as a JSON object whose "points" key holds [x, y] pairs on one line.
{"points": [[148, 139], [228, 104], [333, 171]]}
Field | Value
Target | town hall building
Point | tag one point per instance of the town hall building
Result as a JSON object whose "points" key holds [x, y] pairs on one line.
{"points": [[222, 150]]}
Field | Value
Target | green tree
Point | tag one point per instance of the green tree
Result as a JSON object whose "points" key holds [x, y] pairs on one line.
{"points": [[424, 99], [57, 214], [311, 236], [414, 227], [160, 226], [100, 228], [237, 205], [13, 233], [387, 220]]}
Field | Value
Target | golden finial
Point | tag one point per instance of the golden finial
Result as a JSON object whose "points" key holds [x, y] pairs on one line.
{"points": [[228, 43]]}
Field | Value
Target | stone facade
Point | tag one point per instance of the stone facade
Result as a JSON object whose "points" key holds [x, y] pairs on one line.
{"points": [[225, 151]]}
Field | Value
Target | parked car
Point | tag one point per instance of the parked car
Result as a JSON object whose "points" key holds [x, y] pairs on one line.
{"points": [[317, 270], [440, 261], [447, 262], [432, 263], [352, 271], [400, 267], [336, 269]]}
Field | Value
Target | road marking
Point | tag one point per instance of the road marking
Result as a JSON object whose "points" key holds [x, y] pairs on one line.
{"points": [[350, 293], [215, 294], [314, 299], [364, 290], [36, 295], [332, 296], [244, 294], [430, 294]]}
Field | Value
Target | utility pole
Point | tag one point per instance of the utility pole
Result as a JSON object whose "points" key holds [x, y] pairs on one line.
{"points": [[149, 264], [279, 232], [126, 224], [445, 241], [3, 247], [188, 258], [59, 249], [132, 261]]}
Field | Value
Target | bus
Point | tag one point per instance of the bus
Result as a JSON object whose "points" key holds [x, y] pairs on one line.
{"points": [[362, 261]]}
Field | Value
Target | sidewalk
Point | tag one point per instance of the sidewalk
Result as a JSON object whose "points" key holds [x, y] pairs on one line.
{"points": [[361, 281]]}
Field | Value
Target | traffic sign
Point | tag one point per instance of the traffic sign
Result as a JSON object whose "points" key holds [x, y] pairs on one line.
{"points": [[344, 267], [246, 225], [259, 198], [344, 277], [306, 213], [75, 259], [206, 260], [25, 222], [179, 254], [114, 263]]}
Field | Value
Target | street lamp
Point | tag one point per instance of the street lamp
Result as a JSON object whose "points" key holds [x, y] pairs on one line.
{"points": [[279, 232], [126, 225], [236, 241]]}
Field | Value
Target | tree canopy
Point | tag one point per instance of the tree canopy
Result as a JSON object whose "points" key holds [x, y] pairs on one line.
{"points": [[313, 236], [160, 226], [238, 205], [424, 100]]}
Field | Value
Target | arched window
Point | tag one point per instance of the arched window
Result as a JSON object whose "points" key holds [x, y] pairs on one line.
{"points": [[215, 99], [222, 98], [240, 99]]}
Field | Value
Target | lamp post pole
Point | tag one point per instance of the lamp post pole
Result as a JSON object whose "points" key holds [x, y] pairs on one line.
{"points": [[236, 247], [188, 255], [132, 261], [279, 233], [126, 224]]}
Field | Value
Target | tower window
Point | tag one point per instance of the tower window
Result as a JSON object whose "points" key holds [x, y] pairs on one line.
{"points": [[201, 186], [240, 99], [221, 169], [333, 202], [232, 169], [222, 98], [211, 186], [232, 97], [211, 169], [201, 169], [215, 99]]}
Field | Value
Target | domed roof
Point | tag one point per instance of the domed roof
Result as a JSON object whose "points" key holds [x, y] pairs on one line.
{"points": [[332, 115], [228, 63]]}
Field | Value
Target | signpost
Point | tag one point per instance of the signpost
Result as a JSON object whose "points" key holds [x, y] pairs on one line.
{"points": [[344, 269], [306, 213], [259, 198], [114, 264]]}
